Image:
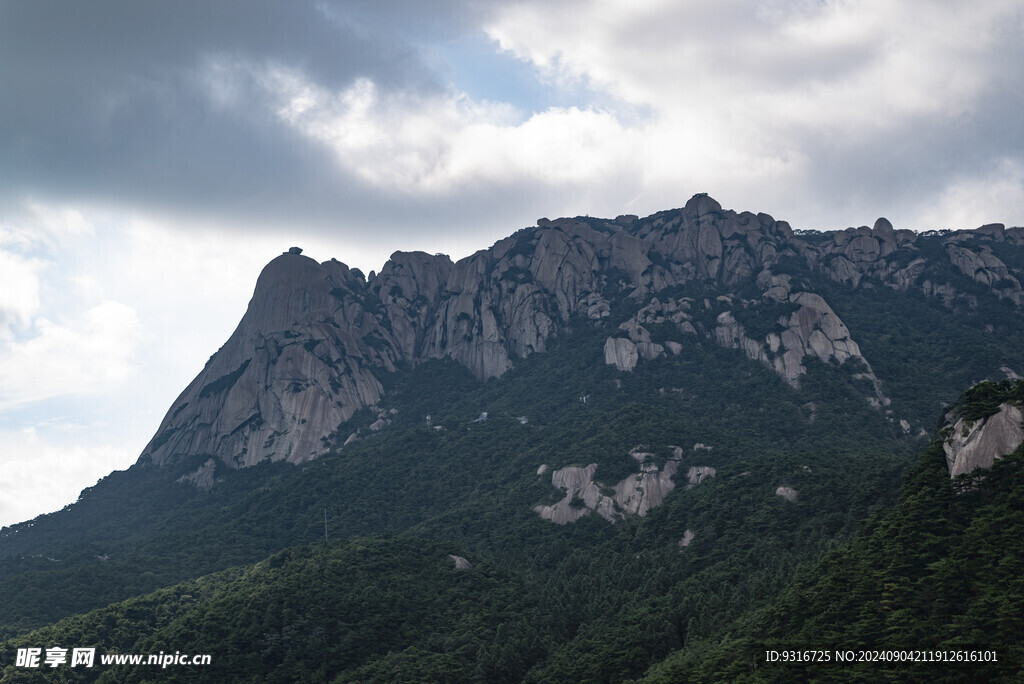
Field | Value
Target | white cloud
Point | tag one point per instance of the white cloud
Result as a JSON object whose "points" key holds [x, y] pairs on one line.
{"points": [[808, 109], [975, 201], [41, 474], [19, 291], [30, 239], [901, 56], [58, 221], [439, 145], [86, 355], [395, 139], [758, 101], [63, 336]]}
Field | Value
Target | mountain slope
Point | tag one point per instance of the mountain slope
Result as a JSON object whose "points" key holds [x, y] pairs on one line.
{"points": [[654, 423], [140, 530], [602, 602], [940, 572], [352, 611]]}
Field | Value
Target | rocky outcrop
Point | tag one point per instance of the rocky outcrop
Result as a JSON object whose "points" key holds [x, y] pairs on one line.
{"points": [[311, 347], [300, 362], [697, 474], [974, 444], [812, 330], [635, 495], [203, 476], [460, 562], [896, 259], [787, 493], [578, 483], [410, 287], [621, 353]]}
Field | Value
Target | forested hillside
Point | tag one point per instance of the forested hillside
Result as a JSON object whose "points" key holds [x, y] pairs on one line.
{"points": [[638, 432], [940, 572], [474, 483]]}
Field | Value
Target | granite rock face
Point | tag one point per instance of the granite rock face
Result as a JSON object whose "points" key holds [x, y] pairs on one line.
{"points": [[697, 474], [203, 477], [635, 495], [977, 444], [621, 353], [812, 330], [311, 347], [894, 258], [299, 364]]}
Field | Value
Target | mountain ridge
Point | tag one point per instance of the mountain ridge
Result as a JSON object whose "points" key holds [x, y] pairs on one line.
{"points": [[309, 351]]}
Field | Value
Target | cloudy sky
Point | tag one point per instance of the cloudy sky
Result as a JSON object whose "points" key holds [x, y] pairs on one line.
{"points": [[154, 156]]}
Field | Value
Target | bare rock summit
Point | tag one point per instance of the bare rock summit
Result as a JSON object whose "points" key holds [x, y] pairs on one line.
{"points": [[316, 338]]}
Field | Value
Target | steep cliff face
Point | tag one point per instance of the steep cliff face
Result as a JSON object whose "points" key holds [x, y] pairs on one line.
{"points": [[410, 287], [310, 349], [974, 444], [300, 362]]}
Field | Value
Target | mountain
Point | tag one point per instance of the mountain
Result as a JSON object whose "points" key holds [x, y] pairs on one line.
{"points": [[316, 338], [639, 434]]}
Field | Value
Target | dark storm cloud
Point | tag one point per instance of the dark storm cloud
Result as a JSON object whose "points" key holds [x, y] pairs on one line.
{"points": [[177, 108], [106, 101]]}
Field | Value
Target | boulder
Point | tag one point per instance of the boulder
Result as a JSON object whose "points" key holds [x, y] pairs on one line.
{"points": [[786, 492], [621, 353], [460, 562], [977, 444]]}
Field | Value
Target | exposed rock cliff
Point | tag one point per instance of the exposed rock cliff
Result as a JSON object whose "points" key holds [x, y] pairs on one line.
{"points": [[621, 353], [204, 476], [297, 366], [635, 495], [697, 474], [895, 258], [310, 349], [974, 444]]}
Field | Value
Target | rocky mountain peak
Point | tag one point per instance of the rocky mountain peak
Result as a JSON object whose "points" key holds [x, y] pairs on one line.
{"points": [[700, 205], [297, 365], [288, 289], [316, 336]]}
